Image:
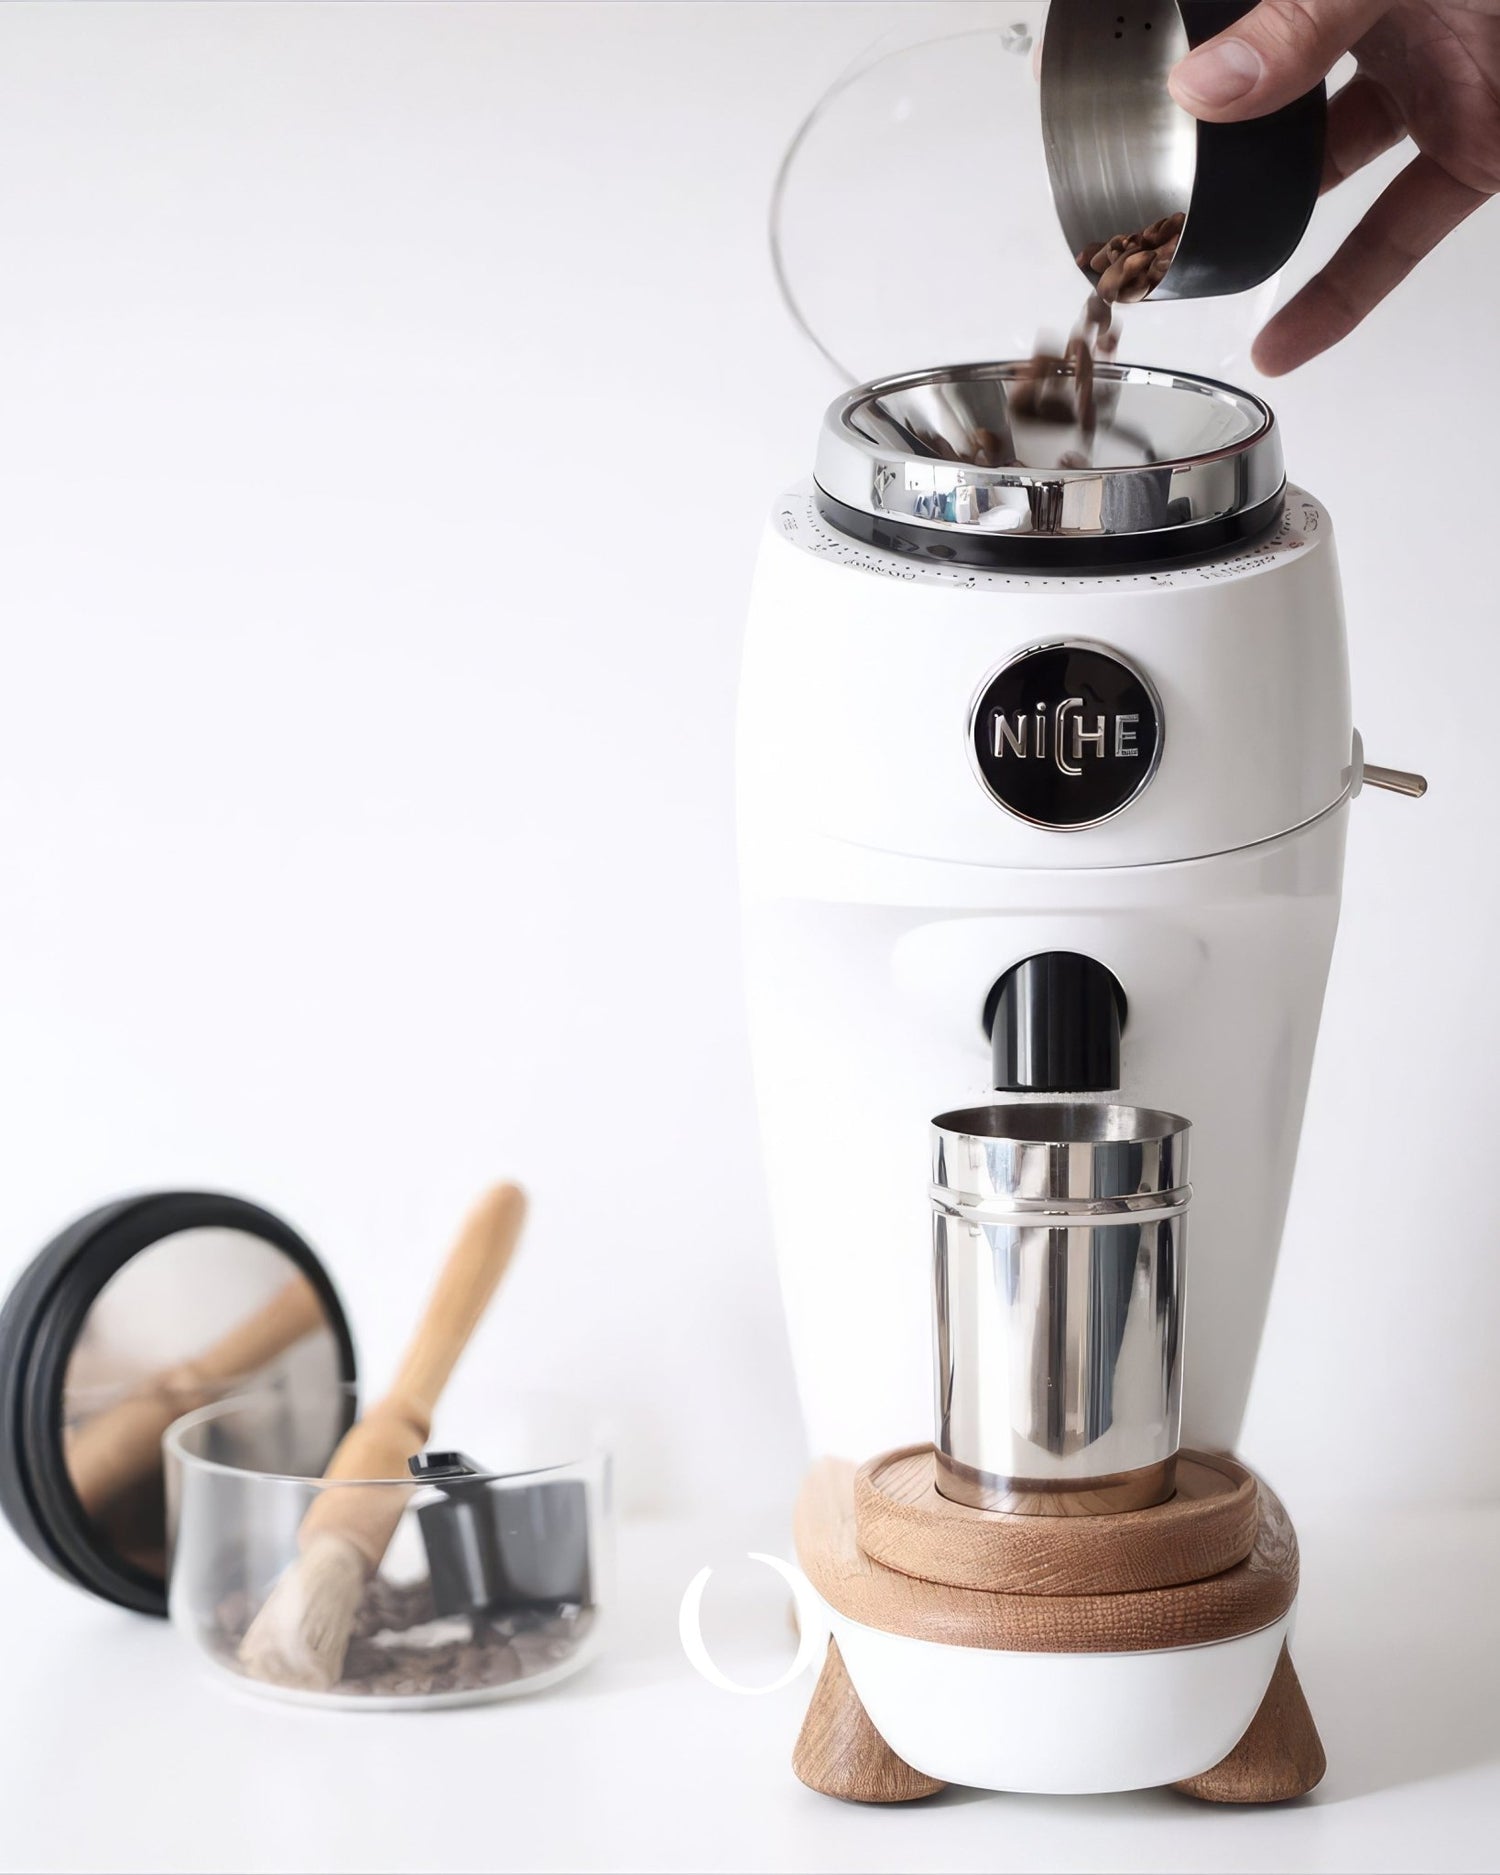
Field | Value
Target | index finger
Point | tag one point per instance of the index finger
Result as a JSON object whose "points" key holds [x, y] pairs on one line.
{"points": [[1363, 123], [1419, 208]]}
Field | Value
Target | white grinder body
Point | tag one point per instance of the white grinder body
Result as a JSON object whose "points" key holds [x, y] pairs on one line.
{"points": [[886, 891]]}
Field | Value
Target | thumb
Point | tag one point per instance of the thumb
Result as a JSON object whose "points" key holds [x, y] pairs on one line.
{"points": [[1280, 49]]}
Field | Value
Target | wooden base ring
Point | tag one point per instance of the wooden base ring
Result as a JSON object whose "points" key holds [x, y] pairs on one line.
{"points": [[905, 1522], [1241, 1600]]}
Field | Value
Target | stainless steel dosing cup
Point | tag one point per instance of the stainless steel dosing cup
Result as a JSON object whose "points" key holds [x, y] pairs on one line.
{"points": [[1122, 154], [1058, 1237]]}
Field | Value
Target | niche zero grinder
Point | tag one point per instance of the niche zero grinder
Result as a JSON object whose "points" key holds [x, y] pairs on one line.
{"points": [[1045, 773]]}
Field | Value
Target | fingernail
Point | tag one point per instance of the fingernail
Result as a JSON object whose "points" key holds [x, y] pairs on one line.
{"points": [[1219, 73]]}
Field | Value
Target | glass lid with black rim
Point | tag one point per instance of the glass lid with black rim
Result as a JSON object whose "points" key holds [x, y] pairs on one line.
{"points": [[933, 203], [140, 1312]]}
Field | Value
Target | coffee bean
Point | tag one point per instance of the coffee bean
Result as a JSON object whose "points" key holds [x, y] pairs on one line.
{"points": [[1161, 261], [1080, 362], [1160, 232], [1115, 250], [1120, 281], [991, 451], [1129, 279], [1035, 392]]}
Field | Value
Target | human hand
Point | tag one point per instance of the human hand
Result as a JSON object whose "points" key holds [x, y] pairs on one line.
{"points": [[1428, 70]]}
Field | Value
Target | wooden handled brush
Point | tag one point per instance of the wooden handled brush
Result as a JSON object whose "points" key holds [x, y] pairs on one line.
{"points": [[301, 1635], [113, 1451]]}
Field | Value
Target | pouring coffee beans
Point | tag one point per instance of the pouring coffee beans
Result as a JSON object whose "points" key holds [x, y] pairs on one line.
{"points": [[1131, 267], [1059, 388]]}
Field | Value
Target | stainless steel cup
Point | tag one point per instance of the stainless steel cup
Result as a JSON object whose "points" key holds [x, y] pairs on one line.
{"points": [[1122, 154], [1058, 1237]]}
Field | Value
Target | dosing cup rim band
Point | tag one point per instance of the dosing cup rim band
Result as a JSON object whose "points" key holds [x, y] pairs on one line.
{"points": [[1139, 1208]]}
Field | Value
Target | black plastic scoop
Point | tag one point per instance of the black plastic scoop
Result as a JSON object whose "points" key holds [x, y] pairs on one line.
{"points": [[496, 1546]]}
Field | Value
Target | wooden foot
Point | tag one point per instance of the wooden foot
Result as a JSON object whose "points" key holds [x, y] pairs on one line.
{"points": [[1280, 1757], [840, 1753]]}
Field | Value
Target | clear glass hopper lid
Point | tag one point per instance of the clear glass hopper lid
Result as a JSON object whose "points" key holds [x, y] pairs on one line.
{"points": [[912, 219], [913, 222]]}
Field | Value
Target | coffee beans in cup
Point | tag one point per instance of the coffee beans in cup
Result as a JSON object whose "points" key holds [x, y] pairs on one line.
{"points": [[1131, 267]]}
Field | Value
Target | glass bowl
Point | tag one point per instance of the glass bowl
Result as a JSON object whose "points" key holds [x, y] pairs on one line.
{"points": [[492, 1584]]}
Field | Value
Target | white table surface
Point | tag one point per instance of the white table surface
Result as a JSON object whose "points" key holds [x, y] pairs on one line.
{"points": [[116, 1753]]}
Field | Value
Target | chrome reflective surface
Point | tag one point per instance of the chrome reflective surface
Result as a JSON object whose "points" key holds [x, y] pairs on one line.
{"points": [[191, 1318], [1395, 780], [1121, 154], [947, 449], [1059, 1231]]}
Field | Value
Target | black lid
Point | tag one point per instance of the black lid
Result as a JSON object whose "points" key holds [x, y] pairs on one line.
{"points": [[43, 1324]]}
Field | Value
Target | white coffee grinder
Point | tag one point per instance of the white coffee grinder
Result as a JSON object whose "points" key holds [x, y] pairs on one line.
{"points": [[1046, 758]]}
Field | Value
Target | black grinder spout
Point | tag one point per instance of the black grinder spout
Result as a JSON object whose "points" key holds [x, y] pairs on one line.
{"points": [[1054, 1023]]}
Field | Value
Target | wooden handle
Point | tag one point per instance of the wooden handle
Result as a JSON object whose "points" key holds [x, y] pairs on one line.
{"points": [[397, 1427], [470, 1277], [115, 1449]]}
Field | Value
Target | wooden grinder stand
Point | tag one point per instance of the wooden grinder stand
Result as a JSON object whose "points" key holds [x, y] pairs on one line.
{"points": [[885, 1549]]}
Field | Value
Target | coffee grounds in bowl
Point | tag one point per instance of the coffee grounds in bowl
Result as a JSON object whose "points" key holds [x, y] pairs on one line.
{"points": [[399, 1648]]}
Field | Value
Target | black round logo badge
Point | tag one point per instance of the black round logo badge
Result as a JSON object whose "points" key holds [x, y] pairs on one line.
{"points": [[1066, 735]]}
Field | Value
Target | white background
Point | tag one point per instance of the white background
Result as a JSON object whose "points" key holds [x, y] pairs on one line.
{"points": [[390, 397]]}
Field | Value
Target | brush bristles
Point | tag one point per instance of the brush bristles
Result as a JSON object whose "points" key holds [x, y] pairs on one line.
{"points": [[301, 1635]]}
